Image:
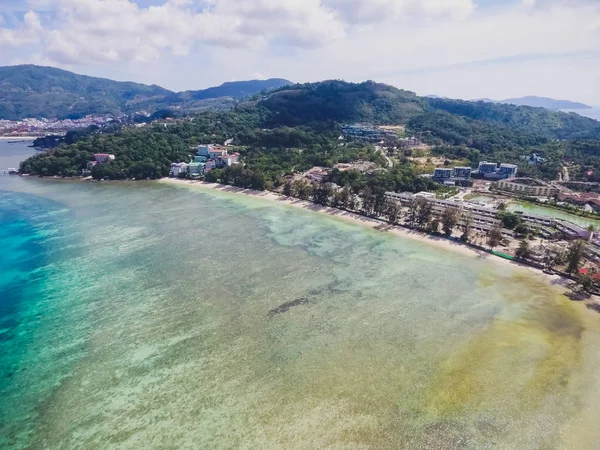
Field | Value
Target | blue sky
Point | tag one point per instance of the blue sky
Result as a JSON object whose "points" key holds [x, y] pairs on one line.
{"points": [[457, 48]]}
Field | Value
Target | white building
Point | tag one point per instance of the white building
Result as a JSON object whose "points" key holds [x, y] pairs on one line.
{"points": [[487, 167], [508, 170], [462, 172], [178, 169], [228, 160]]}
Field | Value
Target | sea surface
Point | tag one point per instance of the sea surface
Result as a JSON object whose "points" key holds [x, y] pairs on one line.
{"points": [[12, 154], [146, 315], [593, 113]]}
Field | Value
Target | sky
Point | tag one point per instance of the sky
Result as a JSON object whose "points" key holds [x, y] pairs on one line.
{"points": [[457, 48]]}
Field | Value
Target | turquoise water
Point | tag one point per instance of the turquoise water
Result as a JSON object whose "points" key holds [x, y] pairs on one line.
{"points": [[550, 212], [12, 154], [142, 315]]}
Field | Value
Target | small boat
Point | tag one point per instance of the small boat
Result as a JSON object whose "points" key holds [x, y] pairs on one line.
{"points": [[13, 171]]}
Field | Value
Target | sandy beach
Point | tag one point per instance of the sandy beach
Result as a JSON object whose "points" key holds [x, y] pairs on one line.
{"points": [[424, 238]]}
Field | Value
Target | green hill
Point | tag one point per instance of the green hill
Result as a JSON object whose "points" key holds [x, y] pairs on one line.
{"points": [[524, 119], [296, 127], [545, 102], [340, 101], [234, 89], [34, 91]]}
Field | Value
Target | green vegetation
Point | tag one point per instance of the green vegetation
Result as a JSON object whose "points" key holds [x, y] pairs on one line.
{"points": [[574, 256], [494, 237], [523, 252], [477, 131], [139, 155], [338, 101], [33, 91], [297, 127], [510, 220]]}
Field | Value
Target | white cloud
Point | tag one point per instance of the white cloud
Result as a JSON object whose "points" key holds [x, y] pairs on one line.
{"points": [[28, 33], [119, 30], [300, 39], [377, 11]]}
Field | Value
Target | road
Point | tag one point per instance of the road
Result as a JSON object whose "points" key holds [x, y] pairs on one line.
{"points": [[383, 153]]}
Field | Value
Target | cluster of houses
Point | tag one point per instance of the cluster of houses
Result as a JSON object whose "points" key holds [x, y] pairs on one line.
{"points": [[207, 158], [590, 201], [377, 135], [99, 158]]}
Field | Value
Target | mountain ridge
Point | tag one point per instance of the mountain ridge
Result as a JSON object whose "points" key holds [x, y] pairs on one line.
{"points": [[38, 91], [540, 102]]}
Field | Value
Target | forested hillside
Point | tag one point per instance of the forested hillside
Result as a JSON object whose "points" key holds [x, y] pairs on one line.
{"points": [[33, 91], [522, 119], [545, 102], [341, 102], [297, 127]]}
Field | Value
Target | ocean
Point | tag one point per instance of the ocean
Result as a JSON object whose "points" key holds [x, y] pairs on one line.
{"points": [[146, 315], [593, 113], [12, 154]]}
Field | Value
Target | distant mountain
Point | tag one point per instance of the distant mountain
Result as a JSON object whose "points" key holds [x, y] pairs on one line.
{"points": [[235, 89], [34, 91], [544, 102]]}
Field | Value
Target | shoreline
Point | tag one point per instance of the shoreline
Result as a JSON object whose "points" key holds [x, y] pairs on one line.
{"points": [[396, 230], [556, 280], [18, 138]]}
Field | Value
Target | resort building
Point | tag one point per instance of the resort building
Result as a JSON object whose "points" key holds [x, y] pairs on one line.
{"points": [[508, 170], [368, 133], [462, 172], [101, 158], [527, 187], [484, 219], [178, 169], [214, 152], [210, 165], [442, 174], [487, 167], [196, 169], [204, 150], [410, 142], [228, 160]]}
